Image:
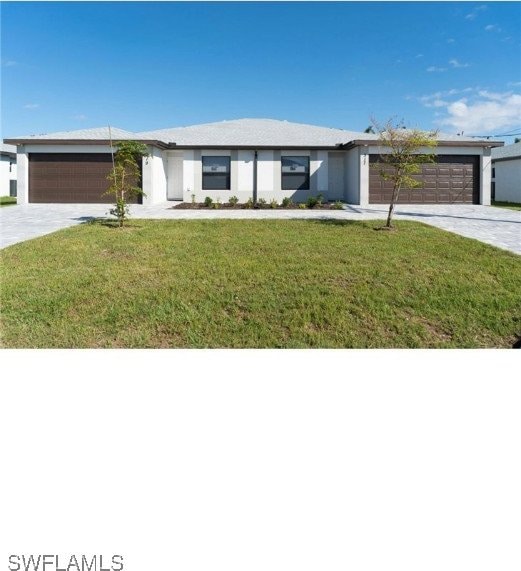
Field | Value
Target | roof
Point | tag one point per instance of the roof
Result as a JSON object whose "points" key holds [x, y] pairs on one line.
{"points": [[101, 133], [507, 152], [253, 132], [7, 149], [270, 133]]}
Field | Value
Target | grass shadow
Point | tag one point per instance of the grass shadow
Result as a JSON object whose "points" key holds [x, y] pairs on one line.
{"points": [[107, 222]]}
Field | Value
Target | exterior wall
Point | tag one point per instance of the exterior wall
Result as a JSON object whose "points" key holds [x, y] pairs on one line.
{"points": [[485, 163], [7, 173], [22, 163], [245, 174], [508, 180], [352, 176], [241, 176], [335, 175], [154, 176]]}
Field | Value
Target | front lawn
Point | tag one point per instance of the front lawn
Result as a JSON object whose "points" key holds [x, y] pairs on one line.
{"points": [[7, 200], [512, 205], [261, 283]]}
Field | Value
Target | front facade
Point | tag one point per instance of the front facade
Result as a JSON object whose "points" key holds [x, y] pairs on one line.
{"points": [[7, 170], [262, 157], [506, 173]]}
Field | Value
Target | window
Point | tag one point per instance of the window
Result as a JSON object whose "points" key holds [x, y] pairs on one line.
{"points": [[216, 173], [295, 173], [493, 172]]}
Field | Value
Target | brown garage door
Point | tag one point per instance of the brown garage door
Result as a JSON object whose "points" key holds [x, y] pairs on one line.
{"points": [[452, 179], [69, 177]]}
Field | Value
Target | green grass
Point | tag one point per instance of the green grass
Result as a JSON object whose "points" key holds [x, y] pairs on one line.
{"points": [[512, 205], [7, 200], [265, 283]]}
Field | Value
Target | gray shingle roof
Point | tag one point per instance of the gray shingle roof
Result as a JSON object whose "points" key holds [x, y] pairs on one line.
{"points": [[101, 133], [508, 151], [237, 133], [253, 132]]}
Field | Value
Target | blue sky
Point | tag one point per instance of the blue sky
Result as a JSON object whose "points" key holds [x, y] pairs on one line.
{"points": [[146, 65]]}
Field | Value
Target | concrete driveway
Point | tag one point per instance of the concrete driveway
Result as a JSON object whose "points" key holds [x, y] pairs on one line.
{"points": [[499, 227]]}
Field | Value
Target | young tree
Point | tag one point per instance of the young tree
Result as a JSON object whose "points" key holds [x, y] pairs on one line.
{"points": [[125, 177], [407, 150]]}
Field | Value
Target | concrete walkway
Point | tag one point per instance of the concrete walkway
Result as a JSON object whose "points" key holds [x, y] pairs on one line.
{"points": [[499, 227]]}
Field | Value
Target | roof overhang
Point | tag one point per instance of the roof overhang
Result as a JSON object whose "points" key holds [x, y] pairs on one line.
{"points": [[155, 143], [501, 159], [376, 143], [257, 147]]}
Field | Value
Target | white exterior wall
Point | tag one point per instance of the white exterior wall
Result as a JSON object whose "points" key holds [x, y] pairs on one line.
{"points": [[264, 174], [508, 180], [7, 173], [485, 163], [245, 172], [154, 176], [188, 174], [22, 186], [322, 168]]}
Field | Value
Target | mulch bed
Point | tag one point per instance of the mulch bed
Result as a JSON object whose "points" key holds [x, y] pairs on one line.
{"points": [[226, 206]]}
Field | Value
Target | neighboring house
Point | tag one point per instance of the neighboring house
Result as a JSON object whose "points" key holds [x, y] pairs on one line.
{"points": [[7, 170], [506, 173], [274, 158]]}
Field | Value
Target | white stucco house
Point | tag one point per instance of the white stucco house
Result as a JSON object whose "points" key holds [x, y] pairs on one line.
{"points": [[7, 170], [271, 158], [506, 173]]}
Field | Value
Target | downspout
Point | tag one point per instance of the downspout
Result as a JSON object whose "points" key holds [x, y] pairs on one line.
{"points": [[255, 179]]}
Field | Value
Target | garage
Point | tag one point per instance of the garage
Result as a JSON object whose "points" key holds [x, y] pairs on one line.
{"points": [[69, 177], [453, 179]]}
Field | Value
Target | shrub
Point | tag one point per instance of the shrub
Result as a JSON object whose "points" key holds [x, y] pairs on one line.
{"points": [[312, 201], [273, 203], [320, 198], [208, 201], [261, 202], [302, 205], [217, 203], [337, 205], [193, 198], [249, 203], [233, 200], [286, 201]]}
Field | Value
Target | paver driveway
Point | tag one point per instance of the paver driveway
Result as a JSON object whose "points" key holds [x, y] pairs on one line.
{"points": [[499, 227]]}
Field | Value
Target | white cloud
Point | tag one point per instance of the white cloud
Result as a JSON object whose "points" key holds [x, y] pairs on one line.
{"points": [[80, 117], [514, 83], [31, 106], [456, 63], [484, 114], [9, 63], [434, 68], [451, 40], [473, 15], [419, 56], [492, 28]]}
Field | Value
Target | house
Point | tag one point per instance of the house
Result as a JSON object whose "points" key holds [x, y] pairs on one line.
{"points": [[506, 173], [7, 170], [271, 158]]}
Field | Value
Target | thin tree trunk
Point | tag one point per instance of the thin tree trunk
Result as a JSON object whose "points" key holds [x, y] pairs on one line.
{"points": [[394, 198]]}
